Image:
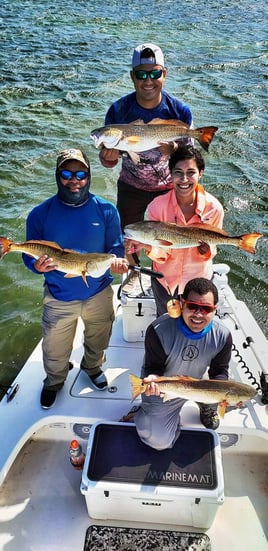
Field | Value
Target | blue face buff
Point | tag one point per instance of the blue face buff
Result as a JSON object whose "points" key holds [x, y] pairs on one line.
{"points": [[186, 331], [77, 198]]}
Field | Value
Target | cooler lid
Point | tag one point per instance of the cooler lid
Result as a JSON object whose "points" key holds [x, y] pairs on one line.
{"points": [[118, 455]]}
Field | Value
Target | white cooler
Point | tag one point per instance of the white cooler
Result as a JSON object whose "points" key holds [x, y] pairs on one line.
{"points": [[137, 314], [126, 480]]}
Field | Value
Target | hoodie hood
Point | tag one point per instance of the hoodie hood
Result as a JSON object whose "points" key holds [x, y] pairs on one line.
{"points": [[74, 199], [77, 198]]}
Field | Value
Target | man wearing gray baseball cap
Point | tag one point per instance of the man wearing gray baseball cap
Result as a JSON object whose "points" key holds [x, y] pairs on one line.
{"points": [[145, 54], [139, 184]]}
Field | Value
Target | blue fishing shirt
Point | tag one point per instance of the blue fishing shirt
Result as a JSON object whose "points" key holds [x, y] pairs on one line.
{"points": [[90, 228], [152, 172]]}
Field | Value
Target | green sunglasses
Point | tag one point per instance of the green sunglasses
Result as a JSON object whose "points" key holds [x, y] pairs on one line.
{"points": [[140, 74]]}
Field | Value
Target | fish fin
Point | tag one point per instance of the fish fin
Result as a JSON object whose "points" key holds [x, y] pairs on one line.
{"points": [[48, 243], [138, 122], [69, 276], [248, 242], [133, 139], [166, 397], [5, 246], [158, 254], [209, 228], [175, 378], [170, 122], [69, 251], [163, 243], [205, 136], [221, 408], [83, 274], [134, 157], [137, 386], [186, 378]]}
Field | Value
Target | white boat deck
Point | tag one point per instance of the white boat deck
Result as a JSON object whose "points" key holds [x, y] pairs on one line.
{"points": [[41, 506]]}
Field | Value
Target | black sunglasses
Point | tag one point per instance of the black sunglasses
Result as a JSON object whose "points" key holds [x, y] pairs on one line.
{"points": [[140, 74], [69, 175]]}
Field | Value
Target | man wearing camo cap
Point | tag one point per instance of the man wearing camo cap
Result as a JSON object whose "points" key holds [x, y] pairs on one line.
{"points": [[75, 219]]}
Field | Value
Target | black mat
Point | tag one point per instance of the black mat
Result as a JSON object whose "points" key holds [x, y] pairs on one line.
{"points": [[109, 538], [118, 455]]}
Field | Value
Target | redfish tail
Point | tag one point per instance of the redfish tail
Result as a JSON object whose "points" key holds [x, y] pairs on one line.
{"points": [[137, 386], [248, 242], [5, 245], [206, 134]]}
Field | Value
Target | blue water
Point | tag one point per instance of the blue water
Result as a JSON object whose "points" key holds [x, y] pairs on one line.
{"points": [[62, 64]]}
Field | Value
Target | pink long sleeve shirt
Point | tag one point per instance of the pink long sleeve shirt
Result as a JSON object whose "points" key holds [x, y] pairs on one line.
{"points": [[181, 265]]}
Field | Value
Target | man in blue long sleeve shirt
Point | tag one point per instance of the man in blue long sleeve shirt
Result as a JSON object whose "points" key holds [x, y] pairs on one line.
{"points": [[75, 219], [151, 176], [139, 184]]}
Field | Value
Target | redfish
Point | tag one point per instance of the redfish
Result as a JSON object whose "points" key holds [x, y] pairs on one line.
{"points": [[169, 235], [207, 391], [138, 136], [72, 263]]}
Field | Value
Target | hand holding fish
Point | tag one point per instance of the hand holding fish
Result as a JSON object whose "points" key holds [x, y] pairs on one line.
{"points": [[204, 249], [45, 264], [152, 388], [119, 266], [133, 246], [167, 148], [109, 157], [156, 253]]}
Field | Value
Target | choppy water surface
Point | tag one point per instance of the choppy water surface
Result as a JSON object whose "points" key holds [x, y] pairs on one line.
{"points": [[61, 67]]}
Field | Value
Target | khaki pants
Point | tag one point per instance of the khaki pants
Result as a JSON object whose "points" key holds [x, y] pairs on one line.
{"points": [[59, 325]]}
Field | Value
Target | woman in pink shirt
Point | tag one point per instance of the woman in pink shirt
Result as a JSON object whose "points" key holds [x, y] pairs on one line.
{"points": [[186, 204]]}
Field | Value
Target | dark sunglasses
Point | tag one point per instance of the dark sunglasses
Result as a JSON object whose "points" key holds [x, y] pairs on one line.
{"points": [[69, 175], [197, 307], [140, 74]]}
